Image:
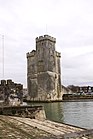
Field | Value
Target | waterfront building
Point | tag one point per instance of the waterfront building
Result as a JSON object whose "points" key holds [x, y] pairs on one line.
{"points": [[81, 89], [44, 71]]}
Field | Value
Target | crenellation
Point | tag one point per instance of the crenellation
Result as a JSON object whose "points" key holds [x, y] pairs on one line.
{"points": [[31, 54], [45, 37]]}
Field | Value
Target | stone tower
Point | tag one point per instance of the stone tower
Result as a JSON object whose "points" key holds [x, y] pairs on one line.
{"points": [[43, 70]]}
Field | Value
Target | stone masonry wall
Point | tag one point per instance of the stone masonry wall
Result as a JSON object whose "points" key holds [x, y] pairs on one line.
{"points": [[43, 70]]}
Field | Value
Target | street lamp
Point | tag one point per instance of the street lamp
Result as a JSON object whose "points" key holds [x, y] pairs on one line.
{"points": [[2, 36]]}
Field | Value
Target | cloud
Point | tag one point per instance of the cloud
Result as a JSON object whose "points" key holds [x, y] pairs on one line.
{"points": [[70, 21], [77, 68]]}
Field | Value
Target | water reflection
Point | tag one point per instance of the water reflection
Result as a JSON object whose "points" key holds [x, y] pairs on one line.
{"points": [[54, 111], [75, 113]]}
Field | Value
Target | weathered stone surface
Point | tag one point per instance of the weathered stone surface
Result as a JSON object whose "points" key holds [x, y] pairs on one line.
{"points": [[43, 70], [26, 128], [36, 112], [10, 90], [14, 129]]}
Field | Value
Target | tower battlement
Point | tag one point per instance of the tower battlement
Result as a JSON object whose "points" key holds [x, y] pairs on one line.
{"points": [[45, 37], [31, 54]]}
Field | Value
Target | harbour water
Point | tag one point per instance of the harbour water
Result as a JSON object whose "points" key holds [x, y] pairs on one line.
{"points": [[74, 113]]}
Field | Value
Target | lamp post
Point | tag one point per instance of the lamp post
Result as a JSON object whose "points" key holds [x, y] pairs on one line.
{"points": [[2, 36]]}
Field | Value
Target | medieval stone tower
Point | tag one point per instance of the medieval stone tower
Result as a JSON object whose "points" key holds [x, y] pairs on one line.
{"points": [[43, 70]]}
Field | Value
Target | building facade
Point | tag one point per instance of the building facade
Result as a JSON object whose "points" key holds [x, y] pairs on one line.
{"points": [[44, 71]]}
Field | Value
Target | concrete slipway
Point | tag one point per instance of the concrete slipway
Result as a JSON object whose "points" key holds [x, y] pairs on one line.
{"points": [[26, 128]]}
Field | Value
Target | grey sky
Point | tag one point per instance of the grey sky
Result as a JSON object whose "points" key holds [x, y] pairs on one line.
{"points": [[70, 21]]}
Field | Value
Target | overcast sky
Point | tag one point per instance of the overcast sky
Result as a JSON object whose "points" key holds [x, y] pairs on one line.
{"points": [[69, 21]]}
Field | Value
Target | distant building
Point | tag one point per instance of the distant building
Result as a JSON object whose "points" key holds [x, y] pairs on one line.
{"points": [[81, 89], [86, 89], [43, 70]]}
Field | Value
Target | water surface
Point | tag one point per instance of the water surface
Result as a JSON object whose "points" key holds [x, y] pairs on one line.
{"points": [[74, 113]]}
